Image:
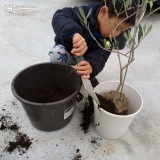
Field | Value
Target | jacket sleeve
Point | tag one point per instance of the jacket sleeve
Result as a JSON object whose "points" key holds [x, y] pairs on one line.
{"points": [[97, 59], [65, 23]]}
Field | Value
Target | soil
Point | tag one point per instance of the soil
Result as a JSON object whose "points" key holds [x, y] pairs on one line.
{"points": [[106, 104], [21, 142], [77, 157], [87, 114], [117, 105], [51, 92]]}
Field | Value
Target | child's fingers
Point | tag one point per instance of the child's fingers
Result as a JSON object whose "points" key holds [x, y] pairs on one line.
{"points": [[79, 43], [86, 72], [86, 76], [79, 51], [83, 68], [76, 38]]}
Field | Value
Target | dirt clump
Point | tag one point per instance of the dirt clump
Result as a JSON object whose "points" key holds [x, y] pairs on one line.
{"points": [[118, 106]]}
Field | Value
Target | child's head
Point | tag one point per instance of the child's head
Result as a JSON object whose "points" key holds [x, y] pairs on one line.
{"points": [[108, 18]]}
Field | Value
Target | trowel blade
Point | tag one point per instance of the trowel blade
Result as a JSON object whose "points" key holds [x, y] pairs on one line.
{"points": [[87, 83], [89, 89]]}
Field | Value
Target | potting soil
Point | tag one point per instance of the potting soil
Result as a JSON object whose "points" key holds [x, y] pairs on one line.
{"points": [[118, 107], [50, 92]]}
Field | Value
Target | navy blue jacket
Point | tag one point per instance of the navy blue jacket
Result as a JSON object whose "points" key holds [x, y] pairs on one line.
{"points": [[65, 22]]}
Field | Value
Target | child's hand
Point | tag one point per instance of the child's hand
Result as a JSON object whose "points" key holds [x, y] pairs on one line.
{"points": [[84, 68], [79, 45]]}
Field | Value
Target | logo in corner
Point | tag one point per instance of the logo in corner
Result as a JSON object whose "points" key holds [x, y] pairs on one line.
{"points": [[7, 7]]}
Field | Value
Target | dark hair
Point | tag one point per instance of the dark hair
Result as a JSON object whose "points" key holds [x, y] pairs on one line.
{"points": [[120, 8]]}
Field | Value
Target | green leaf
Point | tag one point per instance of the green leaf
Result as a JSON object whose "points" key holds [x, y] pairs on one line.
{"points": [[83, 15], [81, 11], [89, 13], [151, 4], [128, 3], [79, 17], [140, 33], [125, 36], [116, 44], [144, 28], [116, 11], [142, 10], [130, 42], [82, 23], [123, 1], [114, 1], [149, 28], [129, 33], [104, 43]]}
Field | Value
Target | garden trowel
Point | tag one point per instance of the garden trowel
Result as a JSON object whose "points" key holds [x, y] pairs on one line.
{"points": [[87, 84]]}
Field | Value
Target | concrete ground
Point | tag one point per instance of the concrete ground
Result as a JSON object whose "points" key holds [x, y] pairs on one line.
{"points": [[25, 40]]}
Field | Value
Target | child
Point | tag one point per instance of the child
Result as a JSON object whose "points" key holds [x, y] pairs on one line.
{"points": [[73, 39]]}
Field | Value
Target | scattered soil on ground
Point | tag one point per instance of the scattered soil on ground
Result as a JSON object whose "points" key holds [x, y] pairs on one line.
{"points": [[77, 157], [87, 114], [21, 142]]}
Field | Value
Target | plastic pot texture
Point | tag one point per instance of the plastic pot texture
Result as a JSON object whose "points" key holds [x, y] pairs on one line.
{"points": [[47, 116], [113, 126]]}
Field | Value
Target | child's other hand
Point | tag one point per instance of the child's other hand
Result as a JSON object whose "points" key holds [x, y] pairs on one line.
{"points": [[79, 45], [84, 68]]}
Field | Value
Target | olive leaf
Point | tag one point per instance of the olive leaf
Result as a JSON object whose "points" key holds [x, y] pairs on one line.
{"points": [[128, 3], [143, 32], [140, 33], [114, 1], [144, 27], [82, 16], [81, 20], [90, 11], [104, 42], [142, 10], [125, 35], [151, 4], [149, 28], [128, 38]]}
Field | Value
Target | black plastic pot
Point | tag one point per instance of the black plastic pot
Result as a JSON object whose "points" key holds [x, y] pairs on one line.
{"points": [[48, 116]]}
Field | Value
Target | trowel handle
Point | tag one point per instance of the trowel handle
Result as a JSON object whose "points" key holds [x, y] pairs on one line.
{"points": [[79, 58]]}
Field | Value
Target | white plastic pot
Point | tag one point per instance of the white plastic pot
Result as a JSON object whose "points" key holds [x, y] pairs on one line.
{"points": [[113, 126]]}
